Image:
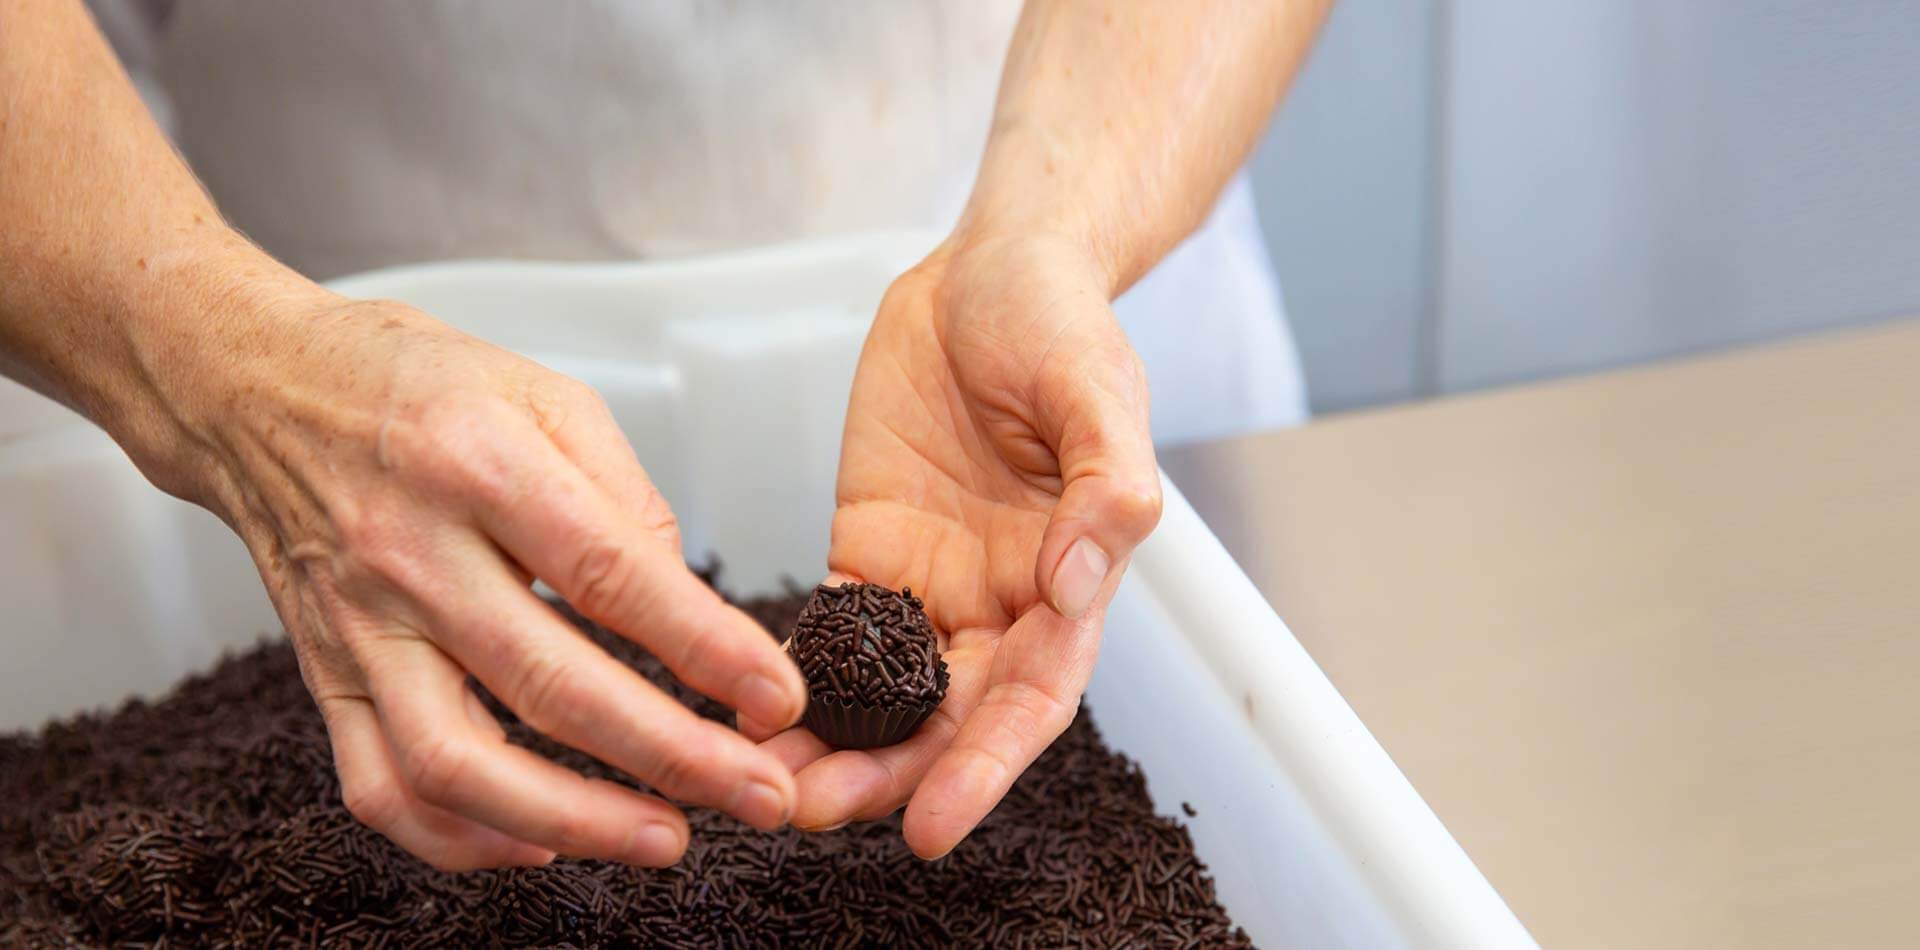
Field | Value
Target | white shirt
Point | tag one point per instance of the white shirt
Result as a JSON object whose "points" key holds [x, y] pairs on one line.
{"points": [[352, 134]]}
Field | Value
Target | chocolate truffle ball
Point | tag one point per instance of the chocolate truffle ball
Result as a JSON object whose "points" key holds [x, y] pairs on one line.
{"points": [[872, 664]]}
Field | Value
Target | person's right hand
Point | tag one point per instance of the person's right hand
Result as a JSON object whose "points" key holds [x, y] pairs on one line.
{"points": [[398, 484]]}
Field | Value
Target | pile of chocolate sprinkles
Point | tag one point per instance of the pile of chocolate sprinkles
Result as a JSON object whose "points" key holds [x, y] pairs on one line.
{"points": [[212, 817], [865, 642]]}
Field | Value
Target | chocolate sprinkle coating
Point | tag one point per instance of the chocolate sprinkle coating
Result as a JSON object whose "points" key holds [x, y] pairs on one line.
{"points": [[212, 817], [867, 643]]}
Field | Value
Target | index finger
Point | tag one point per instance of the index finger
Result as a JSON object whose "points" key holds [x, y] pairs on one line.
{"points": [[538, 505], [570, 690]]}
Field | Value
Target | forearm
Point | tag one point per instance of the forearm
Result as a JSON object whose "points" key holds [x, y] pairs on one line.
{"points": [[115, 268], [1118, 124]]}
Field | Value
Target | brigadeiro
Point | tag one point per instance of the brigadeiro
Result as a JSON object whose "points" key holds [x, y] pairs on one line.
{"points": [[872, 663]]}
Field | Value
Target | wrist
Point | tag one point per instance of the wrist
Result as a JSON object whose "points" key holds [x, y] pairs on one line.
{"points": [[1032, 187], [193, 345], [990, 229], [974, 259]]}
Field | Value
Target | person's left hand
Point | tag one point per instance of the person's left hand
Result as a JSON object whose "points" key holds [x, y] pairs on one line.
{"points": [[996, 460]]}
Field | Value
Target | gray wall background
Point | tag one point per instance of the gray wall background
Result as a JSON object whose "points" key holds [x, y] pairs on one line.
{"points": [[1466, 193]]}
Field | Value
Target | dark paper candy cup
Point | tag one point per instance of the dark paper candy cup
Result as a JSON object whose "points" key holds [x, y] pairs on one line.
{"points": [[852, 724]]}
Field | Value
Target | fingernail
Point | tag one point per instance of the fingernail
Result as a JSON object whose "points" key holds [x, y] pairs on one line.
{"points": [[533, 856], [653, 845], [762, 700], [760, 805], [751, 728], [1078, 578]]}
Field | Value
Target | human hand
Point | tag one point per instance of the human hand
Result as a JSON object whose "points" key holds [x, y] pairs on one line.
{"points": [[399, 484], [997, 460]]}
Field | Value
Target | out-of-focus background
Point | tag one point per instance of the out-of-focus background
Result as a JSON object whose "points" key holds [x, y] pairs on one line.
{"points": [[1467, 194], [1642, 639]]}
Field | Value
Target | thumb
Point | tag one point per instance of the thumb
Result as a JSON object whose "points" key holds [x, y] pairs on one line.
{"points": [[1093, 410]]}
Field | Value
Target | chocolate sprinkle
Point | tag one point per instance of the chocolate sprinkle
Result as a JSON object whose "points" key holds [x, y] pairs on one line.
{"points": [[212, 817], [867, 643]]}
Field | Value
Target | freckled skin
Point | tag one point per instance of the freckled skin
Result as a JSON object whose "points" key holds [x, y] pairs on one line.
{"points": [[240, 385]]}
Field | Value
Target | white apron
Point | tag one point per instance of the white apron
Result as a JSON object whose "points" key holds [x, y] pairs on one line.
{"points": [[350, 134]]}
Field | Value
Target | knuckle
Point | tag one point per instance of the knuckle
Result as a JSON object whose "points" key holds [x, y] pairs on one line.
{"points": [[449, 439], [430, 428], [1124, 372], [542, 692], [705, 655], [558, 401], [376, 804], [683, 768], [673, 771], [668, 530], [1033, 714], [581, 397], [457, 414], [913, 285], [363, 526], [1138, 507], [658, 518], [480, 475], [370, 650], [569, 832], [995, 757], [435, 768], [603, 580], [377, 544]]}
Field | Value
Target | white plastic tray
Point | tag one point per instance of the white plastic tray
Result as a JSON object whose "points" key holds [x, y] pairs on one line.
{"points": [[714, 367]]}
